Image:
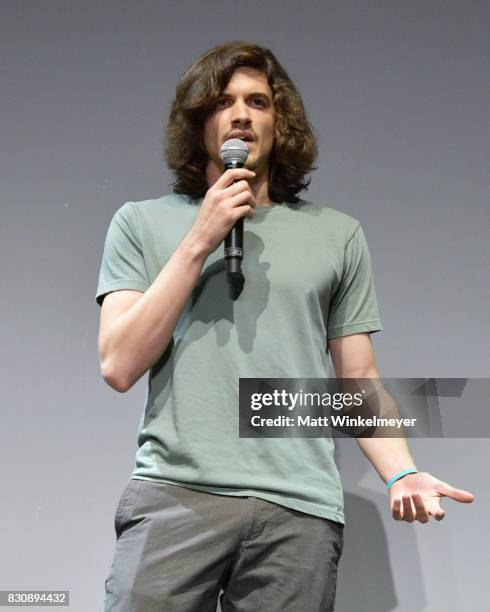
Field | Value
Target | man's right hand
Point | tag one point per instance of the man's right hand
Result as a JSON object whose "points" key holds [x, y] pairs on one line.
{"points": [[224, 203]]}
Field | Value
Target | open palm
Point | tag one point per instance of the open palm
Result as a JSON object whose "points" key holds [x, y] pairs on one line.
{"points": [[417, 497]]}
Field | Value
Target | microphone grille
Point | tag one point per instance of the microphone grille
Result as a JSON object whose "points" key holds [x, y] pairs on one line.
{"points": [[234, 150]]}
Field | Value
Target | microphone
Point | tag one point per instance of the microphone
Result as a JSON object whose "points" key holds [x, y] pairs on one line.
{"points": [[233, 154]]}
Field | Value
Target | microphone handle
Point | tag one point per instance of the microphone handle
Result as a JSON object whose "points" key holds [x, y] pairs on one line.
{"points": [[234, 249], [234, 246]]}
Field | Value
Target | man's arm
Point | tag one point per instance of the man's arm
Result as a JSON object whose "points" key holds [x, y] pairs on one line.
{"points": [[353, 357], [136, 330], [414, 496], [131, 341]]}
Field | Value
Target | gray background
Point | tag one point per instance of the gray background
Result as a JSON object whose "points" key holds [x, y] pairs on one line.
{"points": [[397, 93]]}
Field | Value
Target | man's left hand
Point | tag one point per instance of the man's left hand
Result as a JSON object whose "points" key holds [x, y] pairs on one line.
{"points": [[415, 497]]}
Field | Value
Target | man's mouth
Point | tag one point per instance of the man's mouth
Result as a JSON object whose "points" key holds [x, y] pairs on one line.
{"points": [[243, 135]]}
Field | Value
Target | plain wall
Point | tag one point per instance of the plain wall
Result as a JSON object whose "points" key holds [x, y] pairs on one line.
{"points": [[396, 94]]}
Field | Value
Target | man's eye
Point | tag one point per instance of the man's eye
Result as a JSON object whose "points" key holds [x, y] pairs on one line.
{"points": [[222, 102]]}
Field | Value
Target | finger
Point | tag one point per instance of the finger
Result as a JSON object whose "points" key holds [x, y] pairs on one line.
{"points": [[438, 513], [233, 174], [244, 197], [458, 494], [421, 512], [238, 187], [243, 211], [407, 509], [395, 510]]}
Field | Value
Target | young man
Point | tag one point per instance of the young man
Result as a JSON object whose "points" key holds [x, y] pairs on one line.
{"points": [[205, 509]]}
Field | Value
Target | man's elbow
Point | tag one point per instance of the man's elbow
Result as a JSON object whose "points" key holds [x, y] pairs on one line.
{"points": [[366, 372], [114, 379]]}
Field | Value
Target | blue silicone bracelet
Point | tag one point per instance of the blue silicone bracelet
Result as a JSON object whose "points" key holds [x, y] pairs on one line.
{"points": [[399, 475]]}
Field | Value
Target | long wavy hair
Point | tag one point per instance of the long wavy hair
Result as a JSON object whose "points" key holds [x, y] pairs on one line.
{"points": [[294, 150]]}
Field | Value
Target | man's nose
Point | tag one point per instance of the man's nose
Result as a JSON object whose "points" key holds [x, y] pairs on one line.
{"points": [[240, 111]]}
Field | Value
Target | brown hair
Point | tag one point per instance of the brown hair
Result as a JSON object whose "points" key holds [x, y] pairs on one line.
{"points": [[294, 149]]}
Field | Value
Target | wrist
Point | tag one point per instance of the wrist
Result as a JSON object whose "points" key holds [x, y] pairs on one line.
{"points": [[194, 248], [399, 475]]}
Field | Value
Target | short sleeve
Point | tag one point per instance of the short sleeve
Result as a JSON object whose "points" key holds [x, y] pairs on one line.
{"points": [[354, 308], [123, 265]]}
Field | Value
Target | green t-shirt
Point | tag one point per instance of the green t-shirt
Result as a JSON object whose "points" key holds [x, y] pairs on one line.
{"points": [[308, 278]]}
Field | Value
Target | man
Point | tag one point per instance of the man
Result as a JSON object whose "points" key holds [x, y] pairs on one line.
{"points": [[205, 509]]}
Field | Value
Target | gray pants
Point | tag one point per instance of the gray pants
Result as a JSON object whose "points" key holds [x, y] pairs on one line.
{"points": [[177, 548]]}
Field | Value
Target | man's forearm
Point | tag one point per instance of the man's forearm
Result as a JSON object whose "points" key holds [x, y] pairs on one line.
{"points": [[387, 455], [138, 337]]}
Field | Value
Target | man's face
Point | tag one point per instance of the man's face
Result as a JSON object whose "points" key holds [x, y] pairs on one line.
{"points": [[245, 104]]}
